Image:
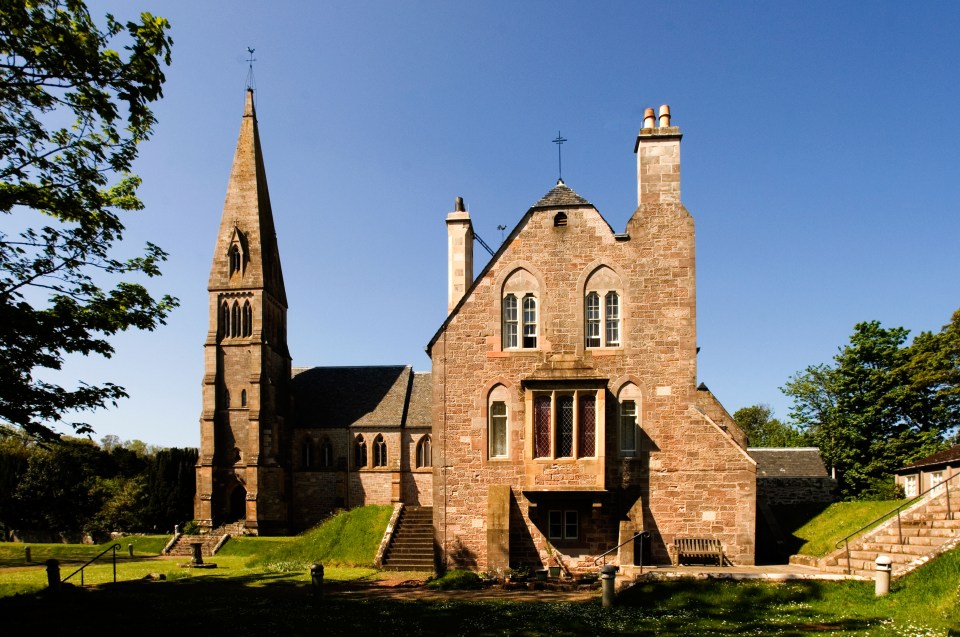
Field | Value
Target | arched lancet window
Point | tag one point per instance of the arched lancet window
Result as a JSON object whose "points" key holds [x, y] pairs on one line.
{"points": [[601, 309], [243, 397], [225, 320], [360, 452], [379, 451], [306, 454], [519, 311], [326, 454], [235, 319], [424, 453], [235, 259], [247, 319]]}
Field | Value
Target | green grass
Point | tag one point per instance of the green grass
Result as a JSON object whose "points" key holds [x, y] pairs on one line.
{"points": [[350, 538], [235, 599], [818, 536]]}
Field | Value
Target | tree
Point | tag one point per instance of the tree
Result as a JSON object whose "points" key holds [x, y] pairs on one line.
{"points": [[72, 115], [881, 404], [763, 430]]}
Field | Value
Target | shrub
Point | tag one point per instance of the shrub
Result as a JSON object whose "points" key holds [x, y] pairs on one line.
{"points": [[456, 580]]}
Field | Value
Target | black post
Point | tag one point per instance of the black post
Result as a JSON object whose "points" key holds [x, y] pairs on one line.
{"points": [[53, 575], [316, 579]]}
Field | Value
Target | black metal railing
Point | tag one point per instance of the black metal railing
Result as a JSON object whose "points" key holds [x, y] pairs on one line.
{"points": [[113, 548], [942, 486], [643, 535]]}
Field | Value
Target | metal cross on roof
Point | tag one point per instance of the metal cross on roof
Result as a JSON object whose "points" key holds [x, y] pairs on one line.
{"points": [[559, 142], [250, 61]]}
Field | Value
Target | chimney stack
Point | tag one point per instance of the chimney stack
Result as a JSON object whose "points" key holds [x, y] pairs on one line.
{"points": [[658, 159], [459, 254]]}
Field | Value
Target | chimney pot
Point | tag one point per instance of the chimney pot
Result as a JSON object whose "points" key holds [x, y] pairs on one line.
{"points": [[458, 205], [664, 116], [649, 119]]}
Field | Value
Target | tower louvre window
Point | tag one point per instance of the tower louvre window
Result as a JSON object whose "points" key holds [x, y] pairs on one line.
{"points": [[236, 259]]}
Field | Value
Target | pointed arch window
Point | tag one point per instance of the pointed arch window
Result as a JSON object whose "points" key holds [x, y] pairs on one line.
{"points": [[326, 454], [520, 311], [247, 319], [529, 321], [235, 319], [510, 322], [379, 451], [424, 453], [306, 454], [243, 397], [360, 452], [629, 399], [225, 320], [236, 259], [498, 429], [601, 309]]}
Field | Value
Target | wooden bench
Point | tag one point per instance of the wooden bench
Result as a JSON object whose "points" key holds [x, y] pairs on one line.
{"points": [[698, 547]]}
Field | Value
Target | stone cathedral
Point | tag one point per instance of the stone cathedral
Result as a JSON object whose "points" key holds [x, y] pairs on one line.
{"points": [[562, 415]]}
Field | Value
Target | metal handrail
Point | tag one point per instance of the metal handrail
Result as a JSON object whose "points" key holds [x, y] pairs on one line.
{"points": [[113, 548], [845, 542], [640, 534]]}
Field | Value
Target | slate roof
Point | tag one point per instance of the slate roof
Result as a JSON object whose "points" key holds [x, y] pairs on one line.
{"points": [[947, 456], [421, 401], [377, 396], [788, 462], [561, 196]]}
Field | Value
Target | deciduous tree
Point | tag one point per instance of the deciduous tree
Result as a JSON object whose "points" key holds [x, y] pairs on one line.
{"points": [[763, 430], [73, 113]]}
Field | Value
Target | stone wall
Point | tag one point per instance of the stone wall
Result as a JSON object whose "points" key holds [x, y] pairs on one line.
{"points": [[690, 475], [796, 490]]}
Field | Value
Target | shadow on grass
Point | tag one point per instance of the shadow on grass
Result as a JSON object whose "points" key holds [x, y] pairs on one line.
{"points": [[278, 603]]}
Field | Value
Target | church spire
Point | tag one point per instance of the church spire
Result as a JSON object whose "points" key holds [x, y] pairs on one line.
{"points": [[246, 255]]}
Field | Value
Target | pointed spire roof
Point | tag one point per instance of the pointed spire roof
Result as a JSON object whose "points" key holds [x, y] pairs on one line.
{"points": [[247, 219], [561, 196]]}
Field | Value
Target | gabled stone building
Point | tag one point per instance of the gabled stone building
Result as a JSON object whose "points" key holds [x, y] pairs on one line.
{"points": [[562, 414]]}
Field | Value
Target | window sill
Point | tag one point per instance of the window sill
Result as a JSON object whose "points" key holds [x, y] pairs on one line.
{"points": [[505, 353]]}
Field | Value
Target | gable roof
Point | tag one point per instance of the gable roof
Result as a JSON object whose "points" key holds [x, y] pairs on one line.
{"points": [[375, 396], [560, 196], [947, 456], [788, 462]]}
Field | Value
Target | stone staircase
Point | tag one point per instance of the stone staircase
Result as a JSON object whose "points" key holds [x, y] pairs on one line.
{"points": [[212, 541], [926, 528], [411, 547]]}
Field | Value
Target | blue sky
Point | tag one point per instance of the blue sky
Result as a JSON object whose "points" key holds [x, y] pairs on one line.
{"points": [[819, 160]]}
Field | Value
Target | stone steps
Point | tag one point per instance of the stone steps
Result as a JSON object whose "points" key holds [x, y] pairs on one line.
{"points": [[921, 531], [412, 545]]}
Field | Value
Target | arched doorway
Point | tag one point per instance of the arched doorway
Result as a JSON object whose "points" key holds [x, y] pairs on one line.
{"points": [[238, 504]]}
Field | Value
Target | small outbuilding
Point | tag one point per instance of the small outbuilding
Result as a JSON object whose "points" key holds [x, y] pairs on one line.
{"points": [[926, 473]]}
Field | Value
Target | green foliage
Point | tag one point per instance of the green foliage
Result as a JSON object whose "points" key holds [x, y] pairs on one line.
{"points": [[456, 580], [881, 404], [348, 538], [192, 527], [763, 430], [76, 487], [73, 112]]}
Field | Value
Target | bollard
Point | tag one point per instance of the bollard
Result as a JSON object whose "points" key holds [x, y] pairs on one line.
{"points": [[884, 569], [608, 583], [316, 578], [53, 575], [130, 549], [26, 552]]}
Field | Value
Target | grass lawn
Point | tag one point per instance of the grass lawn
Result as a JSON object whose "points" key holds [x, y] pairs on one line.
{"points": [[817, 531], [249, 593]]}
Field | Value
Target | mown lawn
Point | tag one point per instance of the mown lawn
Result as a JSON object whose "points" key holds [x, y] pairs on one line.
{"points": [[261, 584]]}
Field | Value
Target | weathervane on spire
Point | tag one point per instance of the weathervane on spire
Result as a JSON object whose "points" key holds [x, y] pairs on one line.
{"points": [[559, 142], [250, 61]]}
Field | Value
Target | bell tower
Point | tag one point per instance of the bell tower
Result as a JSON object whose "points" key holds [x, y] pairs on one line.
{"points": [[243, 471]]}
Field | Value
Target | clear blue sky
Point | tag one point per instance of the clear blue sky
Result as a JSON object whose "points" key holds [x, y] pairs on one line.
{"points": [[819, 159]]}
